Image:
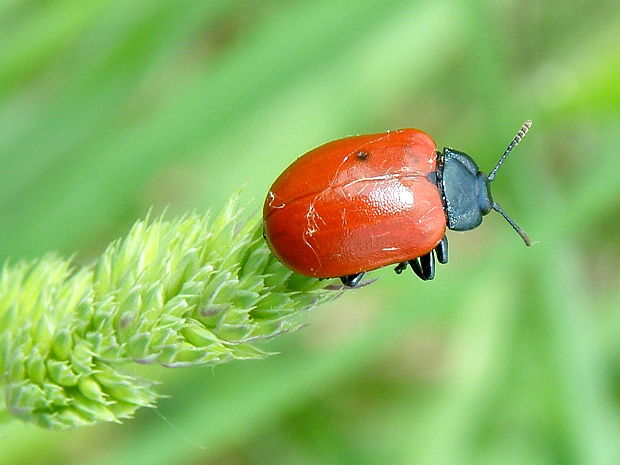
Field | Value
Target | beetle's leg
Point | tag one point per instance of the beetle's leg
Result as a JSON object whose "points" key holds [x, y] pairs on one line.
{"points": [[424, 266], [427, 262], [352, 280], [417, 269], [400, 267], [442, 250]]}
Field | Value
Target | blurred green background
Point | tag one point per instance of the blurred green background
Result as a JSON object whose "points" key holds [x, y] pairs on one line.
{"points": [[511, 356]]}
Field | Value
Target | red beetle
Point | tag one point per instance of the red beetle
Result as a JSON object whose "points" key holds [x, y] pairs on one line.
{"points": [[363, 202]]}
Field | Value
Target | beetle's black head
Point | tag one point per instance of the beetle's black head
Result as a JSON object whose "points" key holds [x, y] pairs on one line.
{"points": [[466, 191]]}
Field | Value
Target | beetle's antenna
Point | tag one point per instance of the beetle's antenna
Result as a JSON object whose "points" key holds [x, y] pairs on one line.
{"points": [[518, 138], [515, 226]]}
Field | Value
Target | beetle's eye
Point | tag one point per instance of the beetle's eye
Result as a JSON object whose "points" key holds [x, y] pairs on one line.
{"points": [[485, 200]]}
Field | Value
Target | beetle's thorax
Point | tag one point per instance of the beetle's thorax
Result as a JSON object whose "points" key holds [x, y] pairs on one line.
{"points": [[464, 189]]}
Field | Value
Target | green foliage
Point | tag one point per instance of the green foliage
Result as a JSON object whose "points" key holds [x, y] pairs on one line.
{"points": [[185, 292]]}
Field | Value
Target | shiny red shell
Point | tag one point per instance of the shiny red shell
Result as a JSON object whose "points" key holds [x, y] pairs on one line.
{"points": [[356, 204]]}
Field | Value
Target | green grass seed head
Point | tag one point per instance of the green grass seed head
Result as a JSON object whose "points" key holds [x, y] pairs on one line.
{"points": [[179, 292]]}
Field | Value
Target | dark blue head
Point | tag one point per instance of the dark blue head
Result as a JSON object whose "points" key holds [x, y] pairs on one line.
{"points": [[466, 190]]}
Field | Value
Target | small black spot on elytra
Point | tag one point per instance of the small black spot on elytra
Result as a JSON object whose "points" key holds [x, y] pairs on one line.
{"points": [[363, 155]]}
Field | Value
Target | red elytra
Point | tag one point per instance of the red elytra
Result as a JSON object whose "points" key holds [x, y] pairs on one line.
{"points": [[357, 204]]}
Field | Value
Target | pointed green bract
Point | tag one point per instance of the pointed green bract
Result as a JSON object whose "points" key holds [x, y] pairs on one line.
{"points": [[181, 292]]}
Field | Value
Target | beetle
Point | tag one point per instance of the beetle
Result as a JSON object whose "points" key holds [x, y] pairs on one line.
{"points": [[363, 202]]}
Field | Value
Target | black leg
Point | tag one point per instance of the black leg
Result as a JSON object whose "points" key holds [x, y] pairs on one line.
{"points": [[401, 267], [352, 280], [424, 266], [427, 262], [417, 269], [442, 250]]}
